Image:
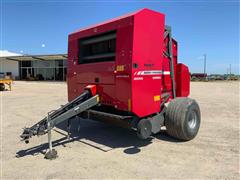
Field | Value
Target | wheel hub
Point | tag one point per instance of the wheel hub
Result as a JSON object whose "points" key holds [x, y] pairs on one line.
{"points": [[192, 121]]}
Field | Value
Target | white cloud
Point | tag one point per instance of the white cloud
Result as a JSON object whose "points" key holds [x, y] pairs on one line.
{"points": [[5, 53]]}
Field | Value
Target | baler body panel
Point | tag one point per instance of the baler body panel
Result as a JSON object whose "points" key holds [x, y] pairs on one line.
{"points": [[183, 79], [114, 86], [137, 76], [147, 55]]}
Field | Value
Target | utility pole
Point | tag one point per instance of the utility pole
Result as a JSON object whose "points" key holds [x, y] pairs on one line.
{"points": [[230, 72], [230, 69], [205, 64]]}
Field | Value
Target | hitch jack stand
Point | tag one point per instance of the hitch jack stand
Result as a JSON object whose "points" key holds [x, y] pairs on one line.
{"points": [[69, 128], [79, 125], [51, 153]]}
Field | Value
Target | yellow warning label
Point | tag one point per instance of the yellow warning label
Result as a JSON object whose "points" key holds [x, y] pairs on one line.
{"points": [[129, 104], [156, 98], [98, 99], [120, 68]]}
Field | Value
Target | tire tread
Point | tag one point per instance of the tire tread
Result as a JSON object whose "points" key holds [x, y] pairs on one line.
{"points": [[175, 117]]}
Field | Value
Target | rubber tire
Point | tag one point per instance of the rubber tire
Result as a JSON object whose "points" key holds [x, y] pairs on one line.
{"points": [[177, 115], [144, 129], [2, 87]]}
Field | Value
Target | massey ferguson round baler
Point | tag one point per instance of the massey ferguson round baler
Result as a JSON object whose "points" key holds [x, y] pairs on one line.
{"points": [[125, 71]]}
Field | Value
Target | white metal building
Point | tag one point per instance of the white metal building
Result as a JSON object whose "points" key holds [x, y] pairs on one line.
{"points": [[34, 67], [8, 66]]}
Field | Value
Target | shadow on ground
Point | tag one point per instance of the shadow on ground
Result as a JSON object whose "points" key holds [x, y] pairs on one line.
{"points": [[101, 134]]}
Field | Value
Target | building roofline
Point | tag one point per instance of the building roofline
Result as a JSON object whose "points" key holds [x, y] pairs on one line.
{"points": [[43, 57]]}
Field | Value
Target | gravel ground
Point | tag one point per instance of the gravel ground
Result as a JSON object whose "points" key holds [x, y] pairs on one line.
{"points": [[104, 151]]}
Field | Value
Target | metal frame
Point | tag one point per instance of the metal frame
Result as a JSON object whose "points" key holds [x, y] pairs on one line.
{"points": [[82, 103], [75, 111], [51, 123], [168, 32]]}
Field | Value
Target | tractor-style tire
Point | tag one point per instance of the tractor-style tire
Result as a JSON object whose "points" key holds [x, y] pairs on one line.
{"points": [[183, 118], [2, 87], [144, 129]]}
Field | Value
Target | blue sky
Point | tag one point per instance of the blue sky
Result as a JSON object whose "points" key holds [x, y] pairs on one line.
{"points": [[199, 27]]}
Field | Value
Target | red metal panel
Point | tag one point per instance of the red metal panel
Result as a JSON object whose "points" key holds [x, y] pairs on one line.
{"points": [[71, 78], [147, 53], [81, 75], [124, 59], [183, 81]]}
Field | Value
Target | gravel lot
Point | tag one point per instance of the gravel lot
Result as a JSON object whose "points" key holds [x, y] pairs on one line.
{"points": [[104, 151]]}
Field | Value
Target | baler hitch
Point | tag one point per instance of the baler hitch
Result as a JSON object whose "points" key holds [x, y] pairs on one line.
{"points": [[82, 103]]}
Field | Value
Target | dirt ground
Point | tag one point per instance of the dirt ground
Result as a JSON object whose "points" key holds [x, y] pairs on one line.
{"points": [[104, 151]]}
